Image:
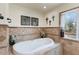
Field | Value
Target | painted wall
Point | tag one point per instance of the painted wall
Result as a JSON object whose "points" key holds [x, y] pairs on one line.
{"points": [[55, 12], [15, 11], [3, 12]]}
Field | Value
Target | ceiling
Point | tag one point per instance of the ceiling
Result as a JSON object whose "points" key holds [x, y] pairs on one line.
{"points": [[40, 6]]}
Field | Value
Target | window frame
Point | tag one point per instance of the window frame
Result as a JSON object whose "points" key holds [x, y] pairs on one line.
{"points": [[77, 27]]}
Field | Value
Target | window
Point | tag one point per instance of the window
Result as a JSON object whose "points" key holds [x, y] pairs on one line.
{"points": [[70, 24]]}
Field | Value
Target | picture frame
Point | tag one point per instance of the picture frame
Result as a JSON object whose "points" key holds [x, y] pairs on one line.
{"points": [[34, 21], [29, 21], [25, 20]]}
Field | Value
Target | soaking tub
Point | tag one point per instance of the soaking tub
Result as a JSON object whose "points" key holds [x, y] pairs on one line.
{"points": [[42, 46]]}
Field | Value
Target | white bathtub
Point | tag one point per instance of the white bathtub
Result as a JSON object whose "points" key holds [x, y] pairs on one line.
{"points": [[42, 46]]}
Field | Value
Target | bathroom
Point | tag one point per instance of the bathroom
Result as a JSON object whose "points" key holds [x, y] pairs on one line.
{"points": [[30, 22]]}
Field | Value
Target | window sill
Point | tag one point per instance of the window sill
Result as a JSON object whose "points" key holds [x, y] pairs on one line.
{"points": [[70, 38]]}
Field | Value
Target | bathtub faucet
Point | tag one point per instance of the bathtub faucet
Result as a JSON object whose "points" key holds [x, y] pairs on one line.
{"points": [[43, 34]]}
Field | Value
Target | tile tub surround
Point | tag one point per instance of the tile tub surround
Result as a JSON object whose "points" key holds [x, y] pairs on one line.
{"points": [[53, 32], [69, 47], [24, 33], [27, 33], [30, 33]]}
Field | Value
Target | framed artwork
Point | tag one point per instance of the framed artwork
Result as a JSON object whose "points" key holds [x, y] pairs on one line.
{"points": [[69, 23], [25, 20], [34, 21]]}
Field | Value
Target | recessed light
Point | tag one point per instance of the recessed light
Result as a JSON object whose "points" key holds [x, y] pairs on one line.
{"points": [[44, 7]]}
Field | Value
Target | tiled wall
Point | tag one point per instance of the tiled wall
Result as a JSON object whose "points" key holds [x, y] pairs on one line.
{"points": [[28, 33], [69, 47], [53, 33], [3, 35], [23, 33], [4, 40]]}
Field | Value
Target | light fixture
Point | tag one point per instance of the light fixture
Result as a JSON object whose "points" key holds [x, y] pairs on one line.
{"points": [[1, 17], [44, 7], [9, 20]]}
